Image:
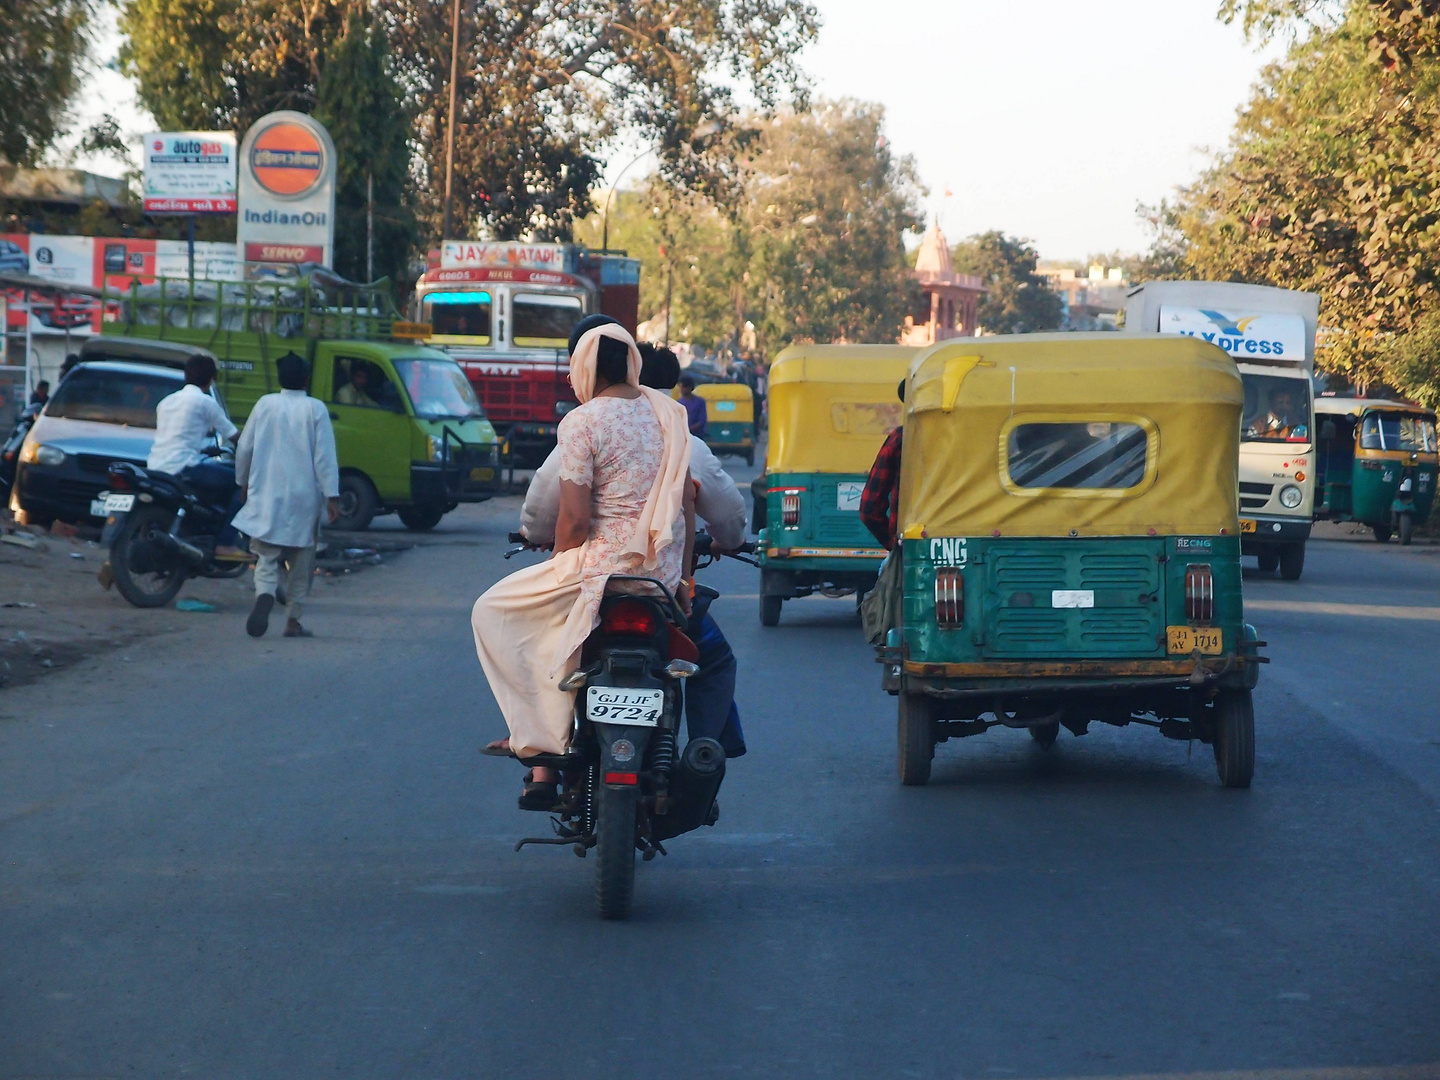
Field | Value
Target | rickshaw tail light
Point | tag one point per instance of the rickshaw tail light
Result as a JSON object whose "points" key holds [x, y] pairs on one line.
{"points": [[630, 618], [949, 598], [790, 510], [1199, 593]]}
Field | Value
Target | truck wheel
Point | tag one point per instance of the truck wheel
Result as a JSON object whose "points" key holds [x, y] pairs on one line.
{"points": [[358, 503], [1045, 734], [750, 457], [615, 851], [1269, 560], [916, 738], [420, 518], [1235, 738], [1292, 561], [1382, 533], [1407, 528], [153, 589], [770, 610]]}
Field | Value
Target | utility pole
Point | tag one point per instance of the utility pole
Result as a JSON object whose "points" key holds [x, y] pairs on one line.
{"points": [[369, 226], [450, 132]]}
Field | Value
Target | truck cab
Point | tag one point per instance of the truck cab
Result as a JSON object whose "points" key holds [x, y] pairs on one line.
{"points": [[1270, 333]]}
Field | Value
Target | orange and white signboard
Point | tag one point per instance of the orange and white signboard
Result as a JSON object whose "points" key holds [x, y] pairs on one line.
{"points": [[287, 193]]}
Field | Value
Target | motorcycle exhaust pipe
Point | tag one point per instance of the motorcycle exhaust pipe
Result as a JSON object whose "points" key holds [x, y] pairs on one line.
{"points": [[183, 548], [693, 791]]}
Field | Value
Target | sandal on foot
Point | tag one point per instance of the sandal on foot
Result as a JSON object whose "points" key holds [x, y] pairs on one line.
{"points": [[259, 619]]}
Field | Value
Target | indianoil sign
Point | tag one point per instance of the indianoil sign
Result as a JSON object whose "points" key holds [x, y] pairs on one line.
{"points": [[287, 194]]}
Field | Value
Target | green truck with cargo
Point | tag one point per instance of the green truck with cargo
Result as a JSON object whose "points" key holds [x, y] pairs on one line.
{"points": [[409, 432]]}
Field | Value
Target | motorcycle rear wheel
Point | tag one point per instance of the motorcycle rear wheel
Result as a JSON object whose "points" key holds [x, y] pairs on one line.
{"points": [[152, 590], [615, 850]]}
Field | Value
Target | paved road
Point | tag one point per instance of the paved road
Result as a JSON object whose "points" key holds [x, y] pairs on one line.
{"points": [[286, 859]]}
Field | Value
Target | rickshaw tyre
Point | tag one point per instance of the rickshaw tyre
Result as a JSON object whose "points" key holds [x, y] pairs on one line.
{"points": [[420, 518], [615, 851], [1382, 533], [1269, 561], [1045, 734], [1235, 738], [1407, 529], [770, 610], [915, 730], [750, 457], [1292, 561]]}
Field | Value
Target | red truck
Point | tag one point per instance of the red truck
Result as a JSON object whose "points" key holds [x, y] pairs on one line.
{"points": [[504, 311]]}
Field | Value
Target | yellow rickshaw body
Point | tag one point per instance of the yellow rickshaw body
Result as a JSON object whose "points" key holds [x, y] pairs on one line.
{"points": [[729, 417]]}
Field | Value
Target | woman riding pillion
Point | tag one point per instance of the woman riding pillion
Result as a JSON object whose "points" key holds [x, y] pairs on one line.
{"points": [[626, 507]]}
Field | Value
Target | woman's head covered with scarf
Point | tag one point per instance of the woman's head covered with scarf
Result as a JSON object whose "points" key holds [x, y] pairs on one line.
{"points": [[593, 337]]}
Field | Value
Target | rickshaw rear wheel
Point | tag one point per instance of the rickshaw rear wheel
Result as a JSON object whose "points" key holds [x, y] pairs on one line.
{"points": [[1382, 533], [1407, 528], [1045, 734], [916, 738], [1269, 561], [1235, 738], [1292, 561], [770, 610]]}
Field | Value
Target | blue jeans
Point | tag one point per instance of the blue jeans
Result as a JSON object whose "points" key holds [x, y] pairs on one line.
{"points": [[710, 693], [214, 481]]}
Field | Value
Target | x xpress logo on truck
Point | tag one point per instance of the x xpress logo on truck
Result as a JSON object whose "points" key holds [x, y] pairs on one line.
{"points": [[1267, 336]]}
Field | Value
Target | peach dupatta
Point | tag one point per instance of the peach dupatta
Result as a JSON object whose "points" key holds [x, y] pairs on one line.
{"points": [[529, 627]]}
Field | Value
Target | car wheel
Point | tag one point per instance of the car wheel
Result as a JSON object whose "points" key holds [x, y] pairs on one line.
{"points": [[358, 503], [420, 518]]}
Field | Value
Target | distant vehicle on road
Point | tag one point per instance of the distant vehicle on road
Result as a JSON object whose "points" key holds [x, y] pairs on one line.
{"points": [[1376, 462]]}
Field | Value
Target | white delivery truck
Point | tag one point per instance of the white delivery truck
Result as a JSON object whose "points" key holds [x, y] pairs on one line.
{"points": [[1271, 334]]}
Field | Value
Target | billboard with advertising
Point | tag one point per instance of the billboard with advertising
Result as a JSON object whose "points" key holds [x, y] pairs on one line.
{"points": [[189, 172]]}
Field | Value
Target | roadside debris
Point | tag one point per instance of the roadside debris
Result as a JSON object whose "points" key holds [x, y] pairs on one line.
{"points": [[187, 604], [17, 603], [21, 539]]}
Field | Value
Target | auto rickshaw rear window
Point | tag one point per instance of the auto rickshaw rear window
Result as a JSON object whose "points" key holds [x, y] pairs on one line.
{"points": [[1096, 454], [1393, 431]]}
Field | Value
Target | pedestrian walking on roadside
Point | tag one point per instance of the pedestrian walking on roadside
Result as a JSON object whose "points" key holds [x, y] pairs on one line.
{"points": [[286, 467]]}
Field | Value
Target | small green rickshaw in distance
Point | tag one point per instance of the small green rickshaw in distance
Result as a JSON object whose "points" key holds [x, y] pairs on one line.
{"points": [[1376, 462], [1071, 545], [729, 419]]}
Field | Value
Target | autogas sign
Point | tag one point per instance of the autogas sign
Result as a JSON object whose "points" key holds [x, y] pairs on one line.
{"points": [[1245, 336], [287, 192], [189, 172]]}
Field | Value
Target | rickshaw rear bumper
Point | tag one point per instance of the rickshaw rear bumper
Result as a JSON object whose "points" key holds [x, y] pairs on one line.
{"points": [[1272, 531], [1069, 679]]}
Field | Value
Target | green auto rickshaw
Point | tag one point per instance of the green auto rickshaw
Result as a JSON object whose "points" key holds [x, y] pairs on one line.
{"points": [[1071, 546], [1376, 462], [831, 407]]}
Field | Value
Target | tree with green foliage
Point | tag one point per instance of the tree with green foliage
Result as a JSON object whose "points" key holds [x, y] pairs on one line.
{"points": [[42, 49], [360, 103], [1017, 299]]}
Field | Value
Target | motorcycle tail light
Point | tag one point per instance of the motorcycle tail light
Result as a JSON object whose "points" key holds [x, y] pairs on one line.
{"points": [[1199, 593], [949, 597], [790, 510], [622, 778], [119, 481], [630, 618]]}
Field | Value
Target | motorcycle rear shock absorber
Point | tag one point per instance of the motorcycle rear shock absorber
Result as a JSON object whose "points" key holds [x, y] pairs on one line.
{"points": [[661, 764]]}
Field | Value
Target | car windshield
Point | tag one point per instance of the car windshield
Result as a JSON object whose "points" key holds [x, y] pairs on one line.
{"points": [[439, 390], [459, 315], [1277, 409], [1397, 431], [111, 397]]}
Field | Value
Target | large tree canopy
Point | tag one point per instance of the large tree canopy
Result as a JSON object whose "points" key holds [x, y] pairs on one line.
{"points": [[42, 46], [545, 85], [1017, 299]]}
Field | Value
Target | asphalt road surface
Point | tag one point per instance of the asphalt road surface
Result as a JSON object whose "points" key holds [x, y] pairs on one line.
{"points": [[231, 858]]}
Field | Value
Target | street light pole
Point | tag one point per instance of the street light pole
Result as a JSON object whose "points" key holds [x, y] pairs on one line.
{"points": [[609, 195], [450, 132]]}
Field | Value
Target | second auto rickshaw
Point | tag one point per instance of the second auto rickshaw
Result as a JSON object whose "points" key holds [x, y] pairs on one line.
{"points": [[1071, 545], [831, 407], [1376, 463], [729, 419]]}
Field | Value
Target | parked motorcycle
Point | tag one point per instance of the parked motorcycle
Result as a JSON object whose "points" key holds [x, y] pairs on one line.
{"points": [[623, 785], [160, 532], [10, 449]]}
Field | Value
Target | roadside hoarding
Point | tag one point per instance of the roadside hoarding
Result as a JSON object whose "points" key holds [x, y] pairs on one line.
{"points": [[286, 194], [189, 172]]}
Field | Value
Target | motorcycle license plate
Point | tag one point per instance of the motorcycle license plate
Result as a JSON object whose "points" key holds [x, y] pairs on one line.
{"points": [[616, 705], [1183, 640], [1247, 525], [119, 504]]}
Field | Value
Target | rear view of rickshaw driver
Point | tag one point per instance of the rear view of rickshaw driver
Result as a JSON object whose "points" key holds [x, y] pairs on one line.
{"points": [[879, 510]]}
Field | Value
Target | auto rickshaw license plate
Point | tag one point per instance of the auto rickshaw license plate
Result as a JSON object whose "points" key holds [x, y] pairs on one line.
{"points": [[482, 474], [1247, 525], [613, 705], [1183, 640]]}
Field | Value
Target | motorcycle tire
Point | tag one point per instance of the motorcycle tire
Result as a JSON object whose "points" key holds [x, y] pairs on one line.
{"points": [[1407, 529], [1382, 533], [1235, 738], [915, 730], [144, 590], [615, 850]]}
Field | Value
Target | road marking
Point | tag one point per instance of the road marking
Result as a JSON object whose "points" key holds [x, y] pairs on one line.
{"points": [[1363, 611]]}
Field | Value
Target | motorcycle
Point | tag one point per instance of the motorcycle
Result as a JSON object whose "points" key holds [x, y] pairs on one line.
{"points": [[160, 533], [10, 449], [624, 788]]}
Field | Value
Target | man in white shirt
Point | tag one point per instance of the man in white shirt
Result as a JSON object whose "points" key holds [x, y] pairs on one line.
{"points": [[710, 693], [184, 422], [287, 468]]}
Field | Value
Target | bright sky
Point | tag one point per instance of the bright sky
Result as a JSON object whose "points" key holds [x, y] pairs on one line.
{"points": [[1047, 119]]}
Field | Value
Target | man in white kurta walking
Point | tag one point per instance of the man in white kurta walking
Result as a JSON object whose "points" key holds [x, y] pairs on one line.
{"points": [[286, 466]]}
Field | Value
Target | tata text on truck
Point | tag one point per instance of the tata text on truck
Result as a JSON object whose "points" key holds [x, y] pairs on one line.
{"points": [[1271, 334], [504, 311], [409, 433]]}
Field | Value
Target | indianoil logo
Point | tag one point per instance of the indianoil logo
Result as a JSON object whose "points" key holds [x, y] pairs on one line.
{"points": [[287, 159]]}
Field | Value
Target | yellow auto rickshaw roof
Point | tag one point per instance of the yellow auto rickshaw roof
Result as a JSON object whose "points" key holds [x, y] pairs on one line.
{"points": [[831, 406], [724, 391], [1350, 406], [965, 397]]}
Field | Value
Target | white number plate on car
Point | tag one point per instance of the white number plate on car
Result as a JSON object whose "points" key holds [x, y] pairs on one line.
{"points": [[615, 705], [119, 504]]}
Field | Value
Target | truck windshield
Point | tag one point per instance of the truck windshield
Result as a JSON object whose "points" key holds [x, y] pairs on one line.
{"points": [[459, 315], [439, 390], [1397, 431], [112, 397], [1277, 409], [543, 319]]}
